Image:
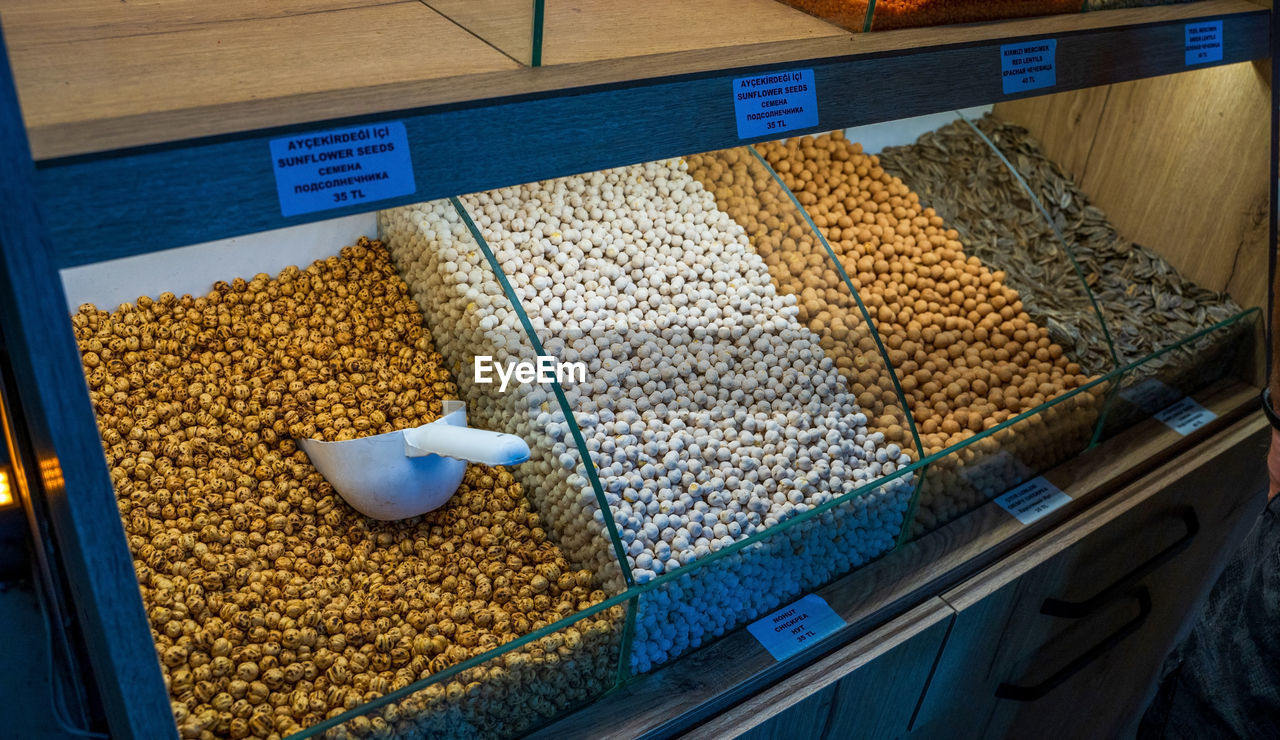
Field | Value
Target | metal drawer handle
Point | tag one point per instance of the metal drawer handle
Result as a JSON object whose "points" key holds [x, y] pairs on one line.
{"points": [[1078, 609], [1014, 692]]}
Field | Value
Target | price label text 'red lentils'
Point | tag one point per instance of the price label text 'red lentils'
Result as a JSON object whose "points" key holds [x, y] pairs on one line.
{"points": [[1028, 66], [776, 103], [343, 167]]}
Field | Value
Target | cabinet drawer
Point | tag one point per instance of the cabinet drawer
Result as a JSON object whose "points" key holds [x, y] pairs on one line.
{"points": [[867, 689], [1084, 616]]}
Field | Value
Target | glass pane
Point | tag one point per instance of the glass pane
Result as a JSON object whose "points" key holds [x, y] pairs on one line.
{"points": [[708, 407], [482, 334], [502, 694], [849, 14], [1011, 453], [247, 558], [972, 187], [1111, 4], [855, 520], [890, 14], [1157, 381], [691, 606], [514, 27], [967, 354], [1145, 303]]}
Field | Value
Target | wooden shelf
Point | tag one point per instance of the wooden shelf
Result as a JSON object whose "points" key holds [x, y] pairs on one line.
{"points": [[604, 30], [203, 172], [97, 77], [81, 65], [677, 698]]}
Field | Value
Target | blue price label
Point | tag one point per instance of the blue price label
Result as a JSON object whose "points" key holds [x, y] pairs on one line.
{"points": [[1028, 66], [343, 167], [776, 103], [796, 626], [1204, 42]]}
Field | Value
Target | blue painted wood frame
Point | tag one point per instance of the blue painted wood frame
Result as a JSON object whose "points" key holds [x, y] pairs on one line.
{"points": [[86, 523], [131, 202]]}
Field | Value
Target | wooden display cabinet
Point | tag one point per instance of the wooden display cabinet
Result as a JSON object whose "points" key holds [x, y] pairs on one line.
{"points": [[129, 142]]}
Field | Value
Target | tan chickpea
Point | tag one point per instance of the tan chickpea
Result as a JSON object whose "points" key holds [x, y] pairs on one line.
{"points": [[273, 602]]}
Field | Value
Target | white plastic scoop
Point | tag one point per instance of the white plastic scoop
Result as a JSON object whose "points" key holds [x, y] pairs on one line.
{"points": [[408, 472]]}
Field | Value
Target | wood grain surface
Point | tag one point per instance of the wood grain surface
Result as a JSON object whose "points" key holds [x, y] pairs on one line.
{"points": [[507, 25], [330, 64], [602, 30], [75, 66]]}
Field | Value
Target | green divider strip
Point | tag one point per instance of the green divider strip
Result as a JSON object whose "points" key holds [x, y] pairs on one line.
{"points": [[535, 53], [866, 316], [588, 464], [1062, 240]]}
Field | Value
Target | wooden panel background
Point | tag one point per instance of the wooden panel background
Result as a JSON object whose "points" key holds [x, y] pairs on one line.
{"points": [[1178, 163]]}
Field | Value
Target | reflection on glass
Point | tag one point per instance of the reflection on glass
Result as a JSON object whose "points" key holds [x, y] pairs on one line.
{"points": [[850, 14], [694, 605], [890, 14], [482, 337], [506, 693], [514, 27], [967, 354], [1012, 453], [1153, 383]]}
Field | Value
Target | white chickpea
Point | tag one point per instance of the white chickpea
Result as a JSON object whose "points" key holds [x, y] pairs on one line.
{"points": [[708, 400]]}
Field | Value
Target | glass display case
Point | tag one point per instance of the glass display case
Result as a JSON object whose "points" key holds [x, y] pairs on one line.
{"points": [[746, 373], [743, 369]]}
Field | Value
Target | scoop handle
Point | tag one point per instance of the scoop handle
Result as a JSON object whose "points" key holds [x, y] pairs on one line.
{"points": [[465, 443]]}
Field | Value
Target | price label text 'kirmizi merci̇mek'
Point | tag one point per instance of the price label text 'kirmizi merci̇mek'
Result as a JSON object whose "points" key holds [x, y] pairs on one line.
{"points": [[1029, 65]]}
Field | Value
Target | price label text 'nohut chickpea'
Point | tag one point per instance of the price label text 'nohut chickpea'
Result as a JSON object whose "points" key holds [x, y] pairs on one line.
{"points": [[544, 370]]}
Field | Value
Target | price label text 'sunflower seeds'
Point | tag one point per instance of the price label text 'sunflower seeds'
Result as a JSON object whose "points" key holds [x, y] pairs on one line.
{"points": [[322, 170], [776, 103]]}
